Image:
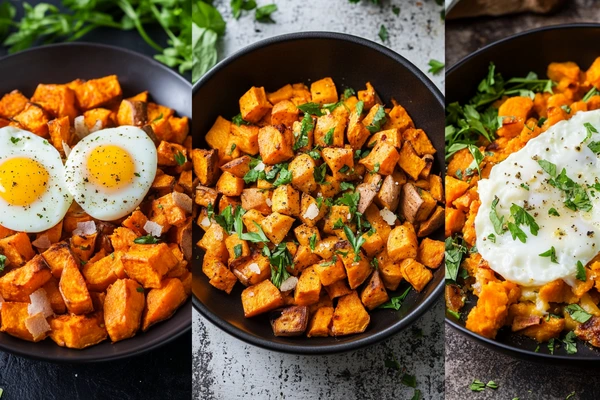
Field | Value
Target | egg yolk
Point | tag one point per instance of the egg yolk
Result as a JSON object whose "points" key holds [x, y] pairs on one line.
{"points": [[22, 181], [110, 166]]}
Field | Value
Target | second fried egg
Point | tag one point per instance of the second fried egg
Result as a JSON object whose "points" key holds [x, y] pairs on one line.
{"points": [[110, 171]]}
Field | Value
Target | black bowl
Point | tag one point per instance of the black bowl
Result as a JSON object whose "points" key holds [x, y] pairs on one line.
{"points": [[61, 64], [304, 57], [515, 56]]}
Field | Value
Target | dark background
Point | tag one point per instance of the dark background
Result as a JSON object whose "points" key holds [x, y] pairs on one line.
{"points": [[164, 373]]}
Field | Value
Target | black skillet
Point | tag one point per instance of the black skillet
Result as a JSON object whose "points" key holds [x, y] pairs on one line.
{"points": [[305, 57], [515, 57], [61, 64]]}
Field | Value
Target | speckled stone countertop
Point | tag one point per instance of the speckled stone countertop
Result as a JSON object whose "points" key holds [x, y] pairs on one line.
{"points": [[466, 360], [226, 368]]}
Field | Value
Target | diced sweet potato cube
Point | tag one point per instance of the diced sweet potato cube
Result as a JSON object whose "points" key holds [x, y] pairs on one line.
{"points": [[135, 113], [252, 270], [219, 275], [402, 242], [136, 222], [83, 246], [419, 141], [161, 303], [349, 316], [180, 128], [455, 220], [410, 162], [234, 245], [57, 257], [276, 226], [74, 291], [13, 316], [238, 167], [374, 293], [19, 283], [382, 159], [274, 145], [171, 209], [284, 113], [303, 258], [17, 249], [57, 100], [78, 331], [33, 118], [286, 200], [337, 214], [206, 165], [261, 298], [390, 273], [330, 273], [147, 264], [376, 220], [98, 118], [12, 104], [292, 321], [302, 168], [320, 322], [123, 308], [170, 154], [308, 206], [60, 131], [340, 161], [230, 185], [101, 274], [254, 104], [415, 273], [431, 253], [284, 93], [356, 270], [122, 239], [54, 297], [357, 132], [98, 92], [323, 91], [338, 289], [256, 199], [373, 244], [330, 125], [399, 119], [245, 137], [213, 241]]}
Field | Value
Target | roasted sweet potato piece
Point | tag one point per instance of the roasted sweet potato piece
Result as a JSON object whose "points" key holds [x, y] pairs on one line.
{"points": [[123, 307], [374, 294], [101, 274], [261, 298], [148, 264], [219, 275], [333, 125], [491, 311], [74, 291], [402, 242], [276, 226], [19, 283], [254, 104], [60, 132], [122, 239], [33, 118], [419, 141], [416, 204], [98, 92], [291, 322], [284, 113], [238, 167], [331, 271], [17, 249], [286, 200], [134, 113], [382, 159], [230, 185], [161, 303], [54, 297], [78, 331], [12, 104], [349, 316], [274, 145], [323, 91], [83, 246], [302, 169], [410, 162], [171, 154], [57, 100], [206, 163], [431, 252], [320, 322], [415, 273], [357, 270], [308, 288], [13, 316]]}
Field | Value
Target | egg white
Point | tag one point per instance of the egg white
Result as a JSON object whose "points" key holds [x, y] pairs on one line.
{"points": [[52, 206], [575, 235], [96, 200]]}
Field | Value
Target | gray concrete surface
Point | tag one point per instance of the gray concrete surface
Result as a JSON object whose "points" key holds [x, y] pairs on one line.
{"points": [[466, 360], [226, 368]]}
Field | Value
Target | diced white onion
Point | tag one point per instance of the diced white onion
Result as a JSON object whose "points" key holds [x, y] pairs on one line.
{"points": [[312, 211], [152, 228], [349, 216], [97, 126], [66, 149], [219, 233], [260, 166], [39, 304], [289, 284], [80, 127], [37, 326], [43, 242], [254, 268], [85, 228], [269, 202], [205, 222], [388, 216]]}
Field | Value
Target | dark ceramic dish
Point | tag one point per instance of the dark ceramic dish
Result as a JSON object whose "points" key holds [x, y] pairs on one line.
{"points": [[305, 57], [534, 50], [64, 63]]}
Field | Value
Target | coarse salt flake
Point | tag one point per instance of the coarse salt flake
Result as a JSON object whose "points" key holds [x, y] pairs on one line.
{"points": [[311, 212], [153, 228], [254, 268], [289, 284], [39, 304], [205, 222]]}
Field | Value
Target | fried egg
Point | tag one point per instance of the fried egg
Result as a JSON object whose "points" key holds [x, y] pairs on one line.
{"points": [[110, 171], [33, 195], [555, 178]]}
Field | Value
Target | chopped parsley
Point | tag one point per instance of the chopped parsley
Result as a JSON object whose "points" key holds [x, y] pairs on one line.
{"points": [[306, 126], [320, 172], [376, 168], [566, 108], [140, 289], [180, 158], [581, 275], [492, 238], [355, 241], [569, 342], [550, 253], [359, 107], [311, 108], [238, 120], [435, 66], [396, 301], [379, 120], [383, 33], [237, 250], [148, 239], [328, 139], [578, 313], [577, 197], [477, 158], [263, 14], [455, 250], [2, 262], [280, 258], [590, 129], [346, 186], [313, 241], [592, 92], [284, 176], [348, 92], [351, 200], [553, 212], [524, 186], [15, 140], [497, 221]]}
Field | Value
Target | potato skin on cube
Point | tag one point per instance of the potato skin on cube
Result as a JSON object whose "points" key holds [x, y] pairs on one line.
{"points": [[292, 321], [123, 309]]}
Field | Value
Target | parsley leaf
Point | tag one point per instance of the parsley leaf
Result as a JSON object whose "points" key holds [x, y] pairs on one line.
{"points": [[553, 212], [351, 200], [280, 258], [435, 66], [313, 241], [379, 120], [359, 107], [569, 342], [477, 157], [581, 275], [311, 108], [578, 313], [590, 129], [328, 139], [237, 250], [284, 177], [550, 253], [320, 172], [226, 219], [346, 186], [522, 217], [238, 120], [355, 241], [348, 92], [180, 158], [148, 239], [238, 5], [396, 301], [263, 14], [383, 33], [455, 250], [595, 147], [477, 386], [2, 262], [592, 92], [497, 221], [15, 140]]}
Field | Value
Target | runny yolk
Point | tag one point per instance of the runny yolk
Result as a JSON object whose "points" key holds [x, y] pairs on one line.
{"points": [[22, 181], [110, 166]]}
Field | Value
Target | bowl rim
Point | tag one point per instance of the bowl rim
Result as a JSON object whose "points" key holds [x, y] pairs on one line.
{"points": [[460, 328], [80, 355], [415, 313]]}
